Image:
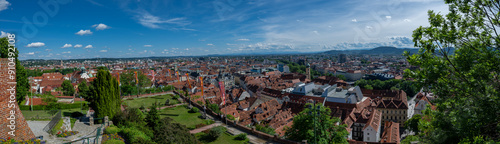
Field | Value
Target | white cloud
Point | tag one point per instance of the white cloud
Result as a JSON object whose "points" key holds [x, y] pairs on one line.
{"points": [[36, 44], [103, 51], [388, 17], [148, 20], [84, 32], [210, 44], [186, 49], [31, 53], [354, 20], [88, 46], [242, 40], [68, 52], [78, 46], [4, 4], [67, 46], [148, 45], [3, 34], [407, 20], [48, 49], [101, 26]]}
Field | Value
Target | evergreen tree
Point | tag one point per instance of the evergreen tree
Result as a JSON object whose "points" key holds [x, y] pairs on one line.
{"points": [[22, 86], [459, 61], [315, 125], [153, 117], [105, 95], [68, 89]]}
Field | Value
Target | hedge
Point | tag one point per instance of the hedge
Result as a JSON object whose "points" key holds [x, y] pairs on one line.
{"points": [[43, 107]]}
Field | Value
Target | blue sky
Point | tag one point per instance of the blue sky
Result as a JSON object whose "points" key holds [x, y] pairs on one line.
{"points": [[65, 29]]}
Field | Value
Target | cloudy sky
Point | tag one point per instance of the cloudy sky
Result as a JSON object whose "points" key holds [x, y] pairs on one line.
{"points": [[137, 28]]}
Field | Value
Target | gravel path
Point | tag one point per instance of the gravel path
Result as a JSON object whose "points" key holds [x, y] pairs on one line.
{"points": [[218, 123]]}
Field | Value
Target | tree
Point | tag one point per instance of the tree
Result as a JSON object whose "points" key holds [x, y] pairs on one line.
{"points": [[458, 59], [327, 130], [22, 86], [412, 123], [153, 117], [215, 132], [173, 133], [67, 88], [83, 89], [105, 95]]}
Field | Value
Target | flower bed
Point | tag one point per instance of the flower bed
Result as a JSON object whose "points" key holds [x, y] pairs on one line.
{"points": [[66, 133], [115, 136], [12, 141]]}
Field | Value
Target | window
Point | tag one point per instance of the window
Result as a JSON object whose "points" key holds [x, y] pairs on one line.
{"points": [[368, 138], [367, 133]]}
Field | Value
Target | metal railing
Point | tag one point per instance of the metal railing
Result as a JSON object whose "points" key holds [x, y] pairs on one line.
{"points": [[53, 122]]}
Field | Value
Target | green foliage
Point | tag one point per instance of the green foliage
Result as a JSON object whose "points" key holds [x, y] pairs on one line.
{"points": [[153, 117], [327, 130], [57, 127], [67, 88], [465, 80], [105, 100], [241, 136], [22, 86], [129, 117], [412, 123], [265, 129], [37, 72], [112, 130], [410, 139], [213, 107], [84, 90], [411, 88], [173, 133], [194, 110], [114, 141], [230, 117], [215, 132], [134, 135]]}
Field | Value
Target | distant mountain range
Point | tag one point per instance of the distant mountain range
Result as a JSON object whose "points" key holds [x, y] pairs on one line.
{"points": [[375, 51]]}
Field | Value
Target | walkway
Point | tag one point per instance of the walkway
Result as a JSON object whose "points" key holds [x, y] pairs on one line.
{"points": [[170, 106], [218, 123], [147, 95]]}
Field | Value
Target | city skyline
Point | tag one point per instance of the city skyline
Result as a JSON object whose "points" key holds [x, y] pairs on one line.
{"points": [[120, 29]]}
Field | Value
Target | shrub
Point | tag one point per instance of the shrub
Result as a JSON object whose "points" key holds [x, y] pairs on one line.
{"points": [[216, 132], [114, 141], [176, 96], [194, 110], [199, 102], [76, 114], [230, 117], [111, 130], [241, 136], [134, 135]]}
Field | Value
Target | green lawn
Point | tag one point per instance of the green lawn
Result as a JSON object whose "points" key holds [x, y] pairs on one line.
{"points": [[148, 101], [46, 115], [225, 138], [181, 115]]}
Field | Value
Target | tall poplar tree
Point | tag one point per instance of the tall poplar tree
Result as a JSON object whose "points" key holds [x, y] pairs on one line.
{"points": [[105, 95]]}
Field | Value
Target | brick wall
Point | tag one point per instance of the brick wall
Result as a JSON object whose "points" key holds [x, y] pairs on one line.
{"points": [[22, 130]]}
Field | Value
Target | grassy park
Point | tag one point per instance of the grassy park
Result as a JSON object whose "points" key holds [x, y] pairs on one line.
{"points": [[182, 115], [224, 138], [148, 101]]}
